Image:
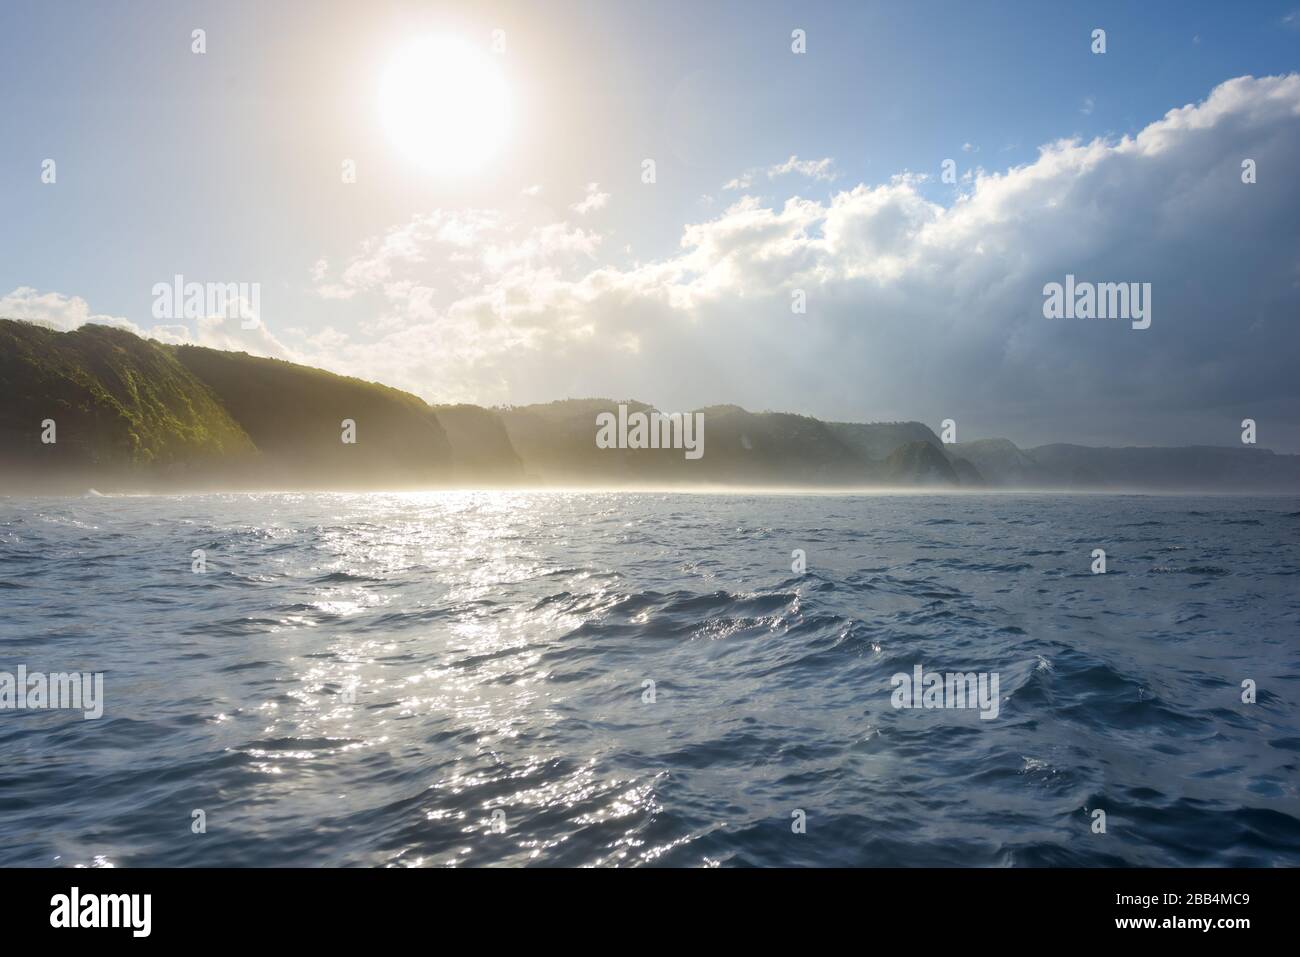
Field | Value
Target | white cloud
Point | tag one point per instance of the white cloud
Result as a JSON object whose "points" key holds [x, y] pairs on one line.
{"points": [[821, 169], [813, 169], [927, 310], [65, 313], [220, 332], [593, 201], [916, 308], [174, 335], [55, 309]]}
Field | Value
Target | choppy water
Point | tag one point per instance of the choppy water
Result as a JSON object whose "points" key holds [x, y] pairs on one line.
{"points": [[498, 644]]}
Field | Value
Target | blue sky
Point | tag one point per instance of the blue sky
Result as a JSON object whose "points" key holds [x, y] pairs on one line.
{"points": [[224, 167]]}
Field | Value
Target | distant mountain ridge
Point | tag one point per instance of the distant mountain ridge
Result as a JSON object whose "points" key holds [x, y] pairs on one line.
{"points": [[134, 414]]}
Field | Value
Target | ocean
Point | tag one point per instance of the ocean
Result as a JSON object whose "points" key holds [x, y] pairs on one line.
{"points": [[621, 679]]}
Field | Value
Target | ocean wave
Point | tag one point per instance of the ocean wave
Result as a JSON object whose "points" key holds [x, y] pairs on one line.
{"points": [[644, 680]]}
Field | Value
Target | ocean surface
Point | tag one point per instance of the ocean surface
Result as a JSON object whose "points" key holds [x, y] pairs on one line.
{"points": [[461, 679]]}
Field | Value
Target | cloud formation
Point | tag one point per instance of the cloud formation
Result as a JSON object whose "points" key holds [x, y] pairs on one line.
{"points": [[920, 304], [914, 308], [56, 310], [593, 201], [820, 169], [64, 313]]}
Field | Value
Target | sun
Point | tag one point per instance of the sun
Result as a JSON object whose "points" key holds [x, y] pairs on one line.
{"points": [[444, 104]]}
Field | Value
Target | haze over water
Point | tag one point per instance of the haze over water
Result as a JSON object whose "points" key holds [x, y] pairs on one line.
{"points": [[498, 644]]}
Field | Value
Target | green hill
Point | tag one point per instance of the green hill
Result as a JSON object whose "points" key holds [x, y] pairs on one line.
{"points": [[876, 440], [919, 463], [123, 408], [294, 415], [557, 443], [134, 414], [480, 446]]}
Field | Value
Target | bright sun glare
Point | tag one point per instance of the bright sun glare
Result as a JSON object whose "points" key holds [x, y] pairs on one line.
{"points": [[443, 104]]}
